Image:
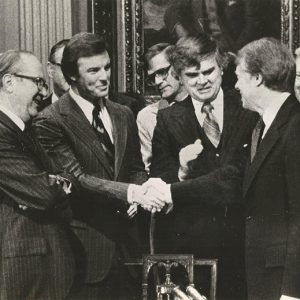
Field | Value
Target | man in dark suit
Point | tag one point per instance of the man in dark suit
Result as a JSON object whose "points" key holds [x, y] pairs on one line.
{"points": [[96, 139], [266, 75], [206, 219], [36, 257], [58, 81]]}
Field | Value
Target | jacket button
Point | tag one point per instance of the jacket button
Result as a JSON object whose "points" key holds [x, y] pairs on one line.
{"points": [[248, 218], [217, 154], [118, 212]]}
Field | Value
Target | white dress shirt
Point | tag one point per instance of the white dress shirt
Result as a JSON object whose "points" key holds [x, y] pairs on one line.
{"points": [[87, 108], [17, 120], [271, 111], [218, 111]]}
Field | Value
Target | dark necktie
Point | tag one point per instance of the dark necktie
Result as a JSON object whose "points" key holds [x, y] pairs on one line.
{"points": [[210, 124], [105, 140], [256, 137]]}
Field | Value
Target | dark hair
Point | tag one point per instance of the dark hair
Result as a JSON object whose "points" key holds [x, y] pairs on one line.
{"points": [[80, 45], [190, 51], [55, 48], [10, 61], [272, 60]]}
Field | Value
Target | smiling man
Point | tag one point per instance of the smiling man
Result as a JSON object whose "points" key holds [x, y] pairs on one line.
{"points": [[161, 75], [207, 221], [266, 74], [96, 140], [36, 256]]}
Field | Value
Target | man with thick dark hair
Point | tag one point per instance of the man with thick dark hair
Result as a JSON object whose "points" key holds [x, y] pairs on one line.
{"points": [[96, 139], [266, 75], [203, 142]]}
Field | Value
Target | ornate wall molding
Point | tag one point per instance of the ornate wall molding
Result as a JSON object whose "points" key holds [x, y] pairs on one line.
{"points": [[122, 23]]}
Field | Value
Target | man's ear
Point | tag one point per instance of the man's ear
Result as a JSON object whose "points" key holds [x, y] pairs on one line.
{"points": [[259, 79], [50, 69], [7, 83]]}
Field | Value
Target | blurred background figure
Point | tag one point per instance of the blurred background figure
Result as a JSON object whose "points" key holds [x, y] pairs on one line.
{"points": [[297, 81], [57, 79], [162, 76]]}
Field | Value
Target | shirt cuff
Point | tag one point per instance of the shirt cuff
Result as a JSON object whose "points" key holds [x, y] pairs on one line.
{"points": [[284, 297], [130, 193]]}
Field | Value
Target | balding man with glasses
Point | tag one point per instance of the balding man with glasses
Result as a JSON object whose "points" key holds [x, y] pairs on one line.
{"points": [[36, 256], [162, 76]]}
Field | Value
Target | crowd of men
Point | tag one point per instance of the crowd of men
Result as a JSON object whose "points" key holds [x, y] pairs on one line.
{"points": [[218, 169]]}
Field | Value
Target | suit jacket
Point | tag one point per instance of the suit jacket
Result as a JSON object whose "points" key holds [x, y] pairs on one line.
{"points": [[71, 142], [46, 102], [207, 219], [36, 257], [272, 198]]}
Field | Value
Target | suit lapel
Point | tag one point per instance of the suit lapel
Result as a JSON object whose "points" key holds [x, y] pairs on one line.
{"points": [[119, 125], [80, 126], [184, 120], [268, 142], [231, 112]]}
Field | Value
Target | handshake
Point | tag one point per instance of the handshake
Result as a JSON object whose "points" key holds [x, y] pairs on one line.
{"points": [[153, 196]]}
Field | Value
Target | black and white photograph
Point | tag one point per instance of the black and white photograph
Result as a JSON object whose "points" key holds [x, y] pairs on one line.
{"points": [[150, 150]]}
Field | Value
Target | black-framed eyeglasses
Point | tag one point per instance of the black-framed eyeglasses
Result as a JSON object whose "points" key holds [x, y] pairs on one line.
{"points": [[160, 73], [55, 63], [39, 81]]}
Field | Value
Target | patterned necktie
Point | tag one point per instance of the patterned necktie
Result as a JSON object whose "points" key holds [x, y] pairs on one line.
{"points": [[256, 137], [210, 124], [105, 140]]}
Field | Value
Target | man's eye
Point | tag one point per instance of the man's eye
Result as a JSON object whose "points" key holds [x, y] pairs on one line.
{"points": [[107, 67]]}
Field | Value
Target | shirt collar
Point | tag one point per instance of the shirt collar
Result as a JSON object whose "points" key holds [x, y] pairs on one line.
{"points": [[216, 103], [85, 105], [271, 111], [17, 120], [54, 97]]}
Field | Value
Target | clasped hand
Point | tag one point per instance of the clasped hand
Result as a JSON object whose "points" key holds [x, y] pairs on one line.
{"points": [[153, 195]]}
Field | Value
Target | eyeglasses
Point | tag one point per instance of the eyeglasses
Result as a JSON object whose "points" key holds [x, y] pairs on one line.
{"points": [[160, 73], [39, 81], [55, 63]]}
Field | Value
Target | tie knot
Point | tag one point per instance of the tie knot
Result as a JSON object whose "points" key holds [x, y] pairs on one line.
{"points": [[98, 105], [207, 107]]}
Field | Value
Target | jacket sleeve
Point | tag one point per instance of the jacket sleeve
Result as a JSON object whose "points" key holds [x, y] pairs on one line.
{"points": [[22, 180], [291, 278], [51, 137]]}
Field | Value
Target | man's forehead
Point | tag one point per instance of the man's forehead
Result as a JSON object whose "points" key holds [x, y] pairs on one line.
{"points": [[101, 59], [157, 62], [203, 65], [30, 65], [58, 54]]}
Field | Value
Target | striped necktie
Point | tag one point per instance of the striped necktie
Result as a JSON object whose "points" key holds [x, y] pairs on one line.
{"points": [[105, 140], [210, 124]]}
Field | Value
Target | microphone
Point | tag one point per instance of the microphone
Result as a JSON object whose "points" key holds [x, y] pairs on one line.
{"points": [[179, 294], [194, 294]]}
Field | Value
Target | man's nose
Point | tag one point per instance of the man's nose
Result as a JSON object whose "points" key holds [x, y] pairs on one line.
{"points": [[103, 75], [158, 80], [44, 91], [202, 79], [236, 86]]}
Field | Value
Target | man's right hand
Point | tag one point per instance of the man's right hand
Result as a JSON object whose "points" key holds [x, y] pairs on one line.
{"points": [[186, 155], [153, 195]]}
